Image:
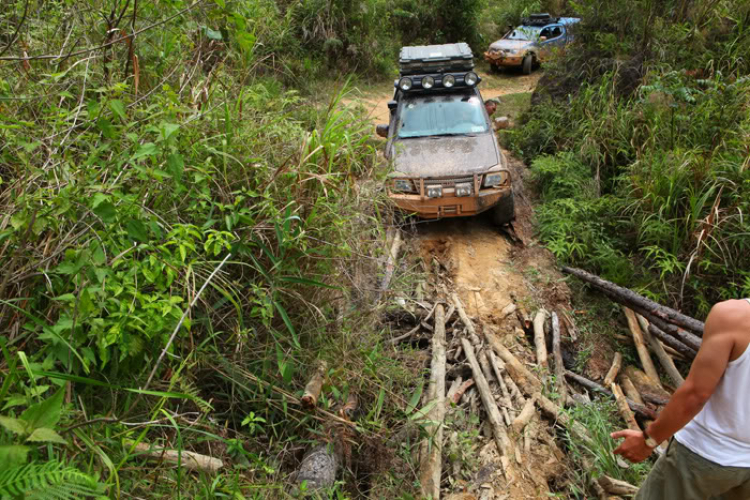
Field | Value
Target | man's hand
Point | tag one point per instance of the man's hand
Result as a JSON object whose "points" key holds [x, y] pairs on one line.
{"points": [[634, 448]]}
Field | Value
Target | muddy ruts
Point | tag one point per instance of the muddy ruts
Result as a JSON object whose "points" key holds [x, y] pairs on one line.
{"points": [[636, 301]]}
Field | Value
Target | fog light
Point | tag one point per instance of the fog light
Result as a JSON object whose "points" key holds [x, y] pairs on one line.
{"points": [[449, 81], [405, 84], [428, 82], [403, 185], [471, 79], [435, 191], [463, 189]]}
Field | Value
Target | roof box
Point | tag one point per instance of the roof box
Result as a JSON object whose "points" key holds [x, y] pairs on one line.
{"points": [[448, 58], [539, 20]]}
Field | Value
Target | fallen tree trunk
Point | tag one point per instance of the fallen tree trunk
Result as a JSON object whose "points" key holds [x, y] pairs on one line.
{"points": [[664, 359], [562, 387], [689, 339], [524, 417], [187, 459], [623, 408], [633, 299], [314, 386], [591, 385], [640, 346], [431, 466], [519, 373], [539, 340], [613, 370], [649, 391], [504, 445], [319, 467], [674, 343]]}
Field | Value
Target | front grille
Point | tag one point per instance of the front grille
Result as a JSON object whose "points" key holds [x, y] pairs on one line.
{"points": [[450, 182]]}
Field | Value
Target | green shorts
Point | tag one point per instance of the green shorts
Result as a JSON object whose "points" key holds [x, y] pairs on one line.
{"points": [[685, 475]]}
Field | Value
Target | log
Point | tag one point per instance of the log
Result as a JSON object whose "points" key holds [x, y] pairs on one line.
{"points": [[464, 317], [616, 486], [524, 417], [487, 371], [632, 299], [613, 370], [630, 390], [455, 386], [539, 340], [496, 367], [641, 410], [689, 339], [517, 371], [623, 408], [314, 386], [672, 342], [390, 265], [562, 387], [430, 469], [558, 415], [640, 346], [648, 390], [664, 359], [187, 459], [504, 445], [461, 390]]}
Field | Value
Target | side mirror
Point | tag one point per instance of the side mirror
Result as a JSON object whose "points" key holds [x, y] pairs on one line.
{"points": [[392, 105], [381, 130]]}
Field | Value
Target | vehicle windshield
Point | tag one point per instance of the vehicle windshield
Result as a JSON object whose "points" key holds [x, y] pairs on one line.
{"points": [[526, 33], [451, 114]]}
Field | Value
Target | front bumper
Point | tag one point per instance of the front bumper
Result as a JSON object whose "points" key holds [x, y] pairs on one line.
{"points": [[450, 205], [498, 59]]}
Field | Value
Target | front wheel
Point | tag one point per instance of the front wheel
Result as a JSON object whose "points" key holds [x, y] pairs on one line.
{"points": [[504, 212], [528, 64]]}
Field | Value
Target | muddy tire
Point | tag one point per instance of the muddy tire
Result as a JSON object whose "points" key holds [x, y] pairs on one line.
{"points": [[528, 64], [504, 212]]}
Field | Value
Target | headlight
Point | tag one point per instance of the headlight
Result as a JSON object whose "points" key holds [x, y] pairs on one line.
{"points": [[471, 79], [494, 179], [428, 82], [449, 81], [463, 189], [435, 191], [405, 84], [403, 185]]}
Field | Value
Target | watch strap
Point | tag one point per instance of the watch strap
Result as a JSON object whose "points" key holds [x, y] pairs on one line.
{"points": [[650, 442]]}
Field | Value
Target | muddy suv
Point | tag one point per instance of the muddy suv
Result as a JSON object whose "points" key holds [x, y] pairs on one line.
{"points": [[441, 144], [532, 42]]}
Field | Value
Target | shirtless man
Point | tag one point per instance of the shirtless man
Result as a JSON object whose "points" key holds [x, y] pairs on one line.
{"points": [[709, 417]]}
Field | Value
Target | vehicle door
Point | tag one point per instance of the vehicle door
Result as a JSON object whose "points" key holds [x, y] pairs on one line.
{"points": [[551, 38]]}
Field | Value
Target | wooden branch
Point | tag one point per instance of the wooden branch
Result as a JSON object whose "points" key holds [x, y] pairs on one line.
{"points": [[623, 408], [390, 264], [665, 359], [616, 486], [539, 340], [649, 391], [562, 387], [632, 299], [465, 318], [672, 342], [504, 445], [640, 346], [487, 371], [630, 390], [641, 410], [461, 390], [314, 386], [506, 399], [517, 371], [187, 459], [613, 370], [431, 465], [524, 417], [557, 415]]}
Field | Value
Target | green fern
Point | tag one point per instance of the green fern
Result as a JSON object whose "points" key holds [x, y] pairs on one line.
{"points": [[49, 481]]}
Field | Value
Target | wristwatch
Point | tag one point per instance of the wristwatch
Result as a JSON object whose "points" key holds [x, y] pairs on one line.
{"points": [[650, 442]]}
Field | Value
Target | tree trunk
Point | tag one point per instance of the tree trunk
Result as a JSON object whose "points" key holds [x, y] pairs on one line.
{"points": [[640, 346], [665, 359], [540, 341], [562, 387], [591, 385]]}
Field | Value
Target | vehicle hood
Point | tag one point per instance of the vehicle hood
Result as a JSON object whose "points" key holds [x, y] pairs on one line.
{"points": [[511, 44], [445, 156]]}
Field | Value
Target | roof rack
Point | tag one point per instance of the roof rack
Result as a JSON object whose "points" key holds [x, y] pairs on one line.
{"points": [[448, 58], [538, 20]]}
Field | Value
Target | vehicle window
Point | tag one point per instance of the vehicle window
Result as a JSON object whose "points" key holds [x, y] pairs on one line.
{"points": [[556, 31], [526, 33], [454, 114], [546, 32]]}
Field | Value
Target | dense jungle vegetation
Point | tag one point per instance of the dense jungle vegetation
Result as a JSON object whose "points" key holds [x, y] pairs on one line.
{"points": [[639, 140], [190, 219]]}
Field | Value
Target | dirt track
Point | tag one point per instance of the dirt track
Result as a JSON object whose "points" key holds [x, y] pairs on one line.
{"points": [[489, 271]]}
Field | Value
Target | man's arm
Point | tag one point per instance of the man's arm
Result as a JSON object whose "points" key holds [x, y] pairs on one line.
{"points": [[687, 401]]}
